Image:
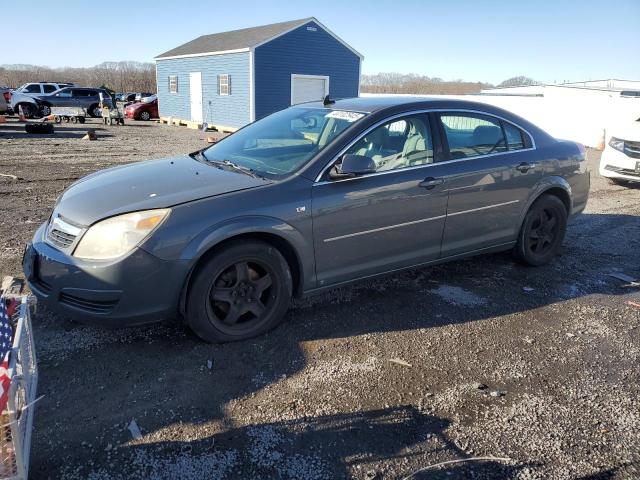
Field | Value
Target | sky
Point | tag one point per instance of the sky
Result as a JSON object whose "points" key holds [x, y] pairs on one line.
{"points": [[489, 41]]}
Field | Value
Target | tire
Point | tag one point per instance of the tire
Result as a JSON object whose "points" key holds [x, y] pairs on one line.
{"points": [[145, 116], [240, 292], [57, 119], [621, 182], [542, 231], [94, 111], [45, 110], [39, 128], [74, 119], [81, 119], [28, 110]]}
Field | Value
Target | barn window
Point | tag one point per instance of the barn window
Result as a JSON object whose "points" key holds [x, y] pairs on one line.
{"points": [[173, 84], [224, 84]]}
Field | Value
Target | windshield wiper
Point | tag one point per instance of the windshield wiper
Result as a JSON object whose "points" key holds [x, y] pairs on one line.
{"points": [[234, 166]]}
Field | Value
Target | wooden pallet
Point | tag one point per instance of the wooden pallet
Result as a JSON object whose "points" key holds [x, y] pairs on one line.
{"points": [[195, 125]]}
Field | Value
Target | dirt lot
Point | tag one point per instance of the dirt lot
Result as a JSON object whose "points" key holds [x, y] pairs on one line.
{"points": [[320, 397]]}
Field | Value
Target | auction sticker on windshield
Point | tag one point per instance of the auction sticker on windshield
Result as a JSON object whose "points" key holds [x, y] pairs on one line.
{"points": [[343, 115]]}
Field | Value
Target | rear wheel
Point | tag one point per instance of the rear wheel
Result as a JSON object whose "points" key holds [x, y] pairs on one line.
{"points": [[94, 111], [45, 110], [542, 231], [240, 292]]}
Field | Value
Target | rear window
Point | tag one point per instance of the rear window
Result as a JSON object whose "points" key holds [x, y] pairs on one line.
{"points": [[515, 136], [472, 135]]}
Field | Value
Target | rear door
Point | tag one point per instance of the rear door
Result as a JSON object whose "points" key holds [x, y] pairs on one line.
{"points": [[490, 179], [384, 220]]}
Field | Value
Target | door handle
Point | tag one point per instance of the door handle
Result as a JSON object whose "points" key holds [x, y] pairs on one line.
{"points": [[524, 167], [431, 182]]}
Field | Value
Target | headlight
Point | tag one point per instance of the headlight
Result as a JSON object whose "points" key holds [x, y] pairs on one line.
{"points": [[616, 144], [113, 237]]}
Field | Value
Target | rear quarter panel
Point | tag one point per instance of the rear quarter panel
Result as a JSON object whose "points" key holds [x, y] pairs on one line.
{"points": [[564, 166]]}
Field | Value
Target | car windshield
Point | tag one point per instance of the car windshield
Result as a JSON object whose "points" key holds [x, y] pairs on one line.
{"points": [[283, 142]]}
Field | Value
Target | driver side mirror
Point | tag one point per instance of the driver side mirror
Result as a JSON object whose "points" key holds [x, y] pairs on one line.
{"points": [[353, 166]]}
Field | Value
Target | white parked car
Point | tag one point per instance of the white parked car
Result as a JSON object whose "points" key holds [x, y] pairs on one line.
{"points": [[23, 96], [620, 161]]}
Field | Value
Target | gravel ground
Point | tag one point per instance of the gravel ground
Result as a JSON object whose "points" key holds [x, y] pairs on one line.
{"points": [[476, 358]]}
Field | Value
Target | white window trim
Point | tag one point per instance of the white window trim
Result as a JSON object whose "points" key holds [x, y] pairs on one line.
{"points": [[299, 75], [176, 84], [227, 84]]}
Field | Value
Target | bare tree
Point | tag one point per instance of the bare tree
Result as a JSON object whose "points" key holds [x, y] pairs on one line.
{"points": [[411, 83], [126, 76], [520, 81]]}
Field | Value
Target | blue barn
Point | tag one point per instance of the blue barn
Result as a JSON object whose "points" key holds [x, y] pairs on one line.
{"points": [[230, 79]]}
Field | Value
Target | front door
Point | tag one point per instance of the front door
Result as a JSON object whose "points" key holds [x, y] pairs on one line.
{"points": [[195, 96], [385, 220], [489, 181]]}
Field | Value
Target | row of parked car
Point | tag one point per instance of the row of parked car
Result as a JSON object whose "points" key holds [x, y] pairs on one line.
{"points": [[37, 99]]}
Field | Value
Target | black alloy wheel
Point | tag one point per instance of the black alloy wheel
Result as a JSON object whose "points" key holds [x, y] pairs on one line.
{"points": [[542, 231], [240, 292]]}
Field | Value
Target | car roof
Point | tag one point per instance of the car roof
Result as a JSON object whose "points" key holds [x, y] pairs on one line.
{"points": [[371, 104], [406, 103]]}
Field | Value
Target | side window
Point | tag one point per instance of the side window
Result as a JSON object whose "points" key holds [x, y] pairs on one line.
{"points": [[515, 136], [49, 88], [65, 93], [173, 84], [401, 143], [471, 135], [224, 84], [33, 88]]}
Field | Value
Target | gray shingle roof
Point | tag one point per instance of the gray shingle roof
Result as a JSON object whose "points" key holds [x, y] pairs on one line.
{"points": [[236, 39]]}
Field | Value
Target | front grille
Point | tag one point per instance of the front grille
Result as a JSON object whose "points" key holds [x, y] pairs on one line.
{"points": [[60, 238], [92, 306], [622, 171], [632, 149]]}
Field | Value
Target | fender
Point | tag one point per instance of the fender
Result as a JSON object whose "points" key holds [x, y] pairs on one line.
{"points": [[546, 184], [252, 224]]}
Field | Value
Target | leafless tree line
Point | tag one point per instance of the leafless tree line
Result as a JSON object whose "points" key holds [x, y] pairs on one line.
{"points": [[417, 84], [423, 85], [118, 76]]}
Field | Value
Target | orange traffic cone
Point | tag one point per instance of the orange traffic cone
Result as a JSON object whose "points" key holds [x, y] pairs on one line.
{"points": [[21, 117]]}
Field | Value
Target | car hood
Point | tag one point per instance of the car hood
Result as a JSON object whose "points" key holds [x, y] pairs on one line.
{"points": [[146, 185]]}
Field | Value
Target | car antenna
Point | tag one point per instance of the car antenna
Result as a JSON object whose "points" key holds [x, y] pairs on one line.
{"points": [[328, 101]]}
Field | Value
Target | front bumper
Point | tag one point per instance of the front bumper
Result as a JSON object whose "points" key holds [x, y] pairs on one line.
{"points": [[616, 164], [136, 289]]}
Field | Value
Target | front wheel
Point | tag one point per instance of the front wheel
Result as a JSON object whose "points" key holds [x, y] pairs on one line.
{"points": [[240, 292], [145, 116], [45, 110], [542, 231]]}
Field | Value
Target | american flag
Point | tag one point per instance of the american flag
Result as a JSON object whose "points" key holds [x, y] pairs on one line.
{"points": [[6, 342]]}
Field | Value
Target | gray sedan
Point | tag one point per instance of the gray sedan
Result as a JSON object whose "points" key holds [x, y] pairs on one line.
{"points": [[309, 198]]}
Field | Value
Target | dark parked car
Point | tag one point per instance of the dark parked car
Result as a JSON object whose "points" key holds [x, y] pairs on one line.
{"points": [[87, 98], [303, 200], [144, 110]]}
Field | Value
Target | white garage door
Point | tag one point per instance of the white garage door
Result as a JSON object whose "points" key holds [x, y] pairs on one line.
{"points": [[308, 88]]}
